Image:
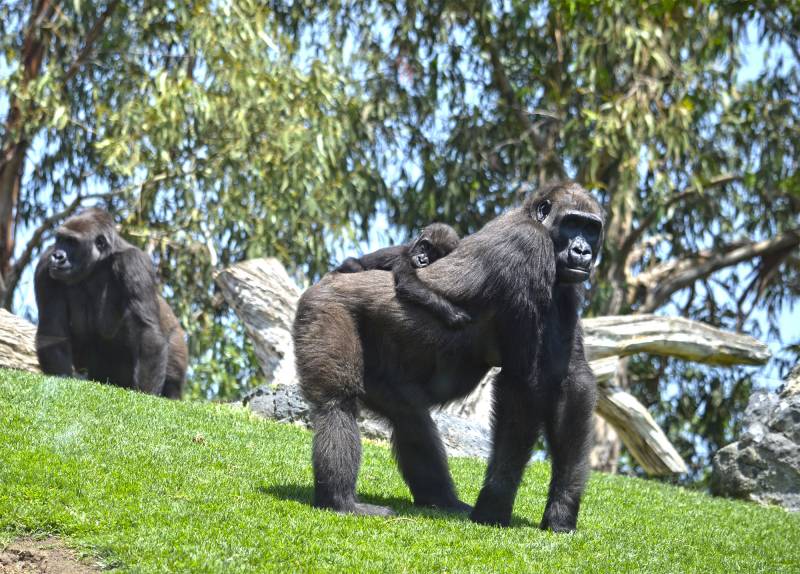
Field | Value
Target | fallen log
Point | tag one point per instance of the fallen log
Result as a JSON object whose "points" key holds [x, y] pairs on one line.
{"points": [[641, 434], [623, 335], [17, 343], [265, 299]]}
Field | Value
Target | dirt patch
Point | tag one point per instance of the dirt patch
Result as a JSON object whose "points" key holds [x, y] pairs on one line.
{"points": [[46, 556]]}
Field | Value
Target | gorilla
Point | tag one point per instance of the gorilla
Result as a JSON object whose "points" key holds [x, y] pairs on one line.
{"points": [[434, 242], [520, 279], [100, 311]]}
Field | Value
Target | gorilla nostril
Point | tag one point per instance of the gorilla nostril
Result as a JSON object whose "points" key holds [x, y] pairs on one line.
{"points": [[581, 251], [58, 256]]}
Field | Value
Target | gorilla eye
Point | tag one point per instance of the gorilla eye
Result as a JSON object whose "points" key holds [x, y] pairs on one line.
{"points": [[101, 242], [543, 209]]}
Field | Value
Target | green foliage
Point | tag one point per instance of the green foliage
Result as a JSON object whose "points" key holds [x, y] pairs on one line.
{"points": [[218, 146], [148, 485]]}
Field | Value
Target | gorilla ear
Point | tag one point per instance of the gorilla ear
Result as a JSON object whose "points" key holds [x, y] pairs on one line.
{"points": [[101, 242]]}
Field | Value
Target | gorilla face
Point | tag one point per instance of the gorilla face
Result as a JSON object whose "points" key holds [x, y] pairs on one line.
{"points": [[420, 253], [80, 245], [435, 241], [577, 233]]}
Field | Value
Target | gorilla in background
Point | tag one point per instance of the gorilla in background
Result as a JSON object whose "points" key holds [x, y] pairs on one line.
{"points": [[100, 311], [520, 278], [434, 242]]}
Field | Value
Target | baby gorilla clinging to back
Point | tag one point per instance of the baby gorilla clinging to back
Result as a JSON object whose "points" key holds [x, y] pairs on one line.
{"points": [[434, 242]]}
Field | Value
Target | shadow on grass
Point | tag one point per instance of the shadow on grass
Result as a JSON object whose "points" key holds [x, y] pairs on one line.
{"points": [[402, 506]]}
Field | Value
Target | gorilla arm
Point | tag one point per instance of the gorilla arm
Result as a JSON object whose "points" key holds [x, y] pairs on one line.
{"points": [[410, 288], [134, 270], [383, 259], [52, 334]]}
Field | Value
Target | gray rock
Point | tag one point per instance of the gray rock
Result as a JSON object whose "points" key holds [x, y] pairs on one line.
{"points": [[284, 403], [764, 465]]}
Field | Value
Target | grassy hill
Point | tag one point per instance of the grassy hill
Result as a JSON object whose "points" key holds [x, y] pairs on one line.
{"points": [[146, 485]]}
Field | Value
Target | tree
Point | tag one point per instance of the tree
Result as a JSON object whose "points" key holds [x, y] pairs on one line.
{"points": [[644, 102], [192, 124]]}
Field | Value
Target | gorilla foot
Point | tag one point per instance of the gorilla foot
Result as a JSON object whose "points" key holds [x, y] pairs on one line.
{"points": [[557, 527], [493, 507], [559, 520], [489, 517]]}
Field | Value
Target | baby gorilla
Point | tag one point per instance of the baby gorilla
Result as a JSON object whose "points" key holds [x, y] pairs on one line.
{"points": [[435, 241]]}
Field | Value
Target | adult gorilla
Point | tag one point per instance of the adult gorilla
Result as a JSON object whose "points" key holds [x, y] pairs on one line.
{"points": [[520, 279], [100, 311]]}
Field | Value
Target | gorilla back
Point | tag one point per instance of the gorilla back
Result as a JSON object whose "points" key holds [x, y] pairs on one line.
{"points": [[100, 311], [519, 278]]}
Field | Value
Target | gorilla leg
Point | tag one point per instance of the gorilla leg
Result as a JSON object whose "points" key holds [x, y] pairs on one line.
{"points": [[337, 458], [331, 372], [515, 425], [568, 427], [421, 458], [173, 388], [177, 360]]}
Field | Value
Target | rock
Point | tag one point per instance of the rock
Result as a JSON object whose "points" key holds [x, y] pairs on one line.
{"points": [[792, 385], [764, 464], [279, 401], [284, 403], [17, 343]]}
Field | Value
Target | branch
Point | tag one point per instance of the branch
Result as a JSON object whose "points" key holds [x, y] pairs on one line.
{"points": [[504, 86], [91, 38], [509, 95], [648, 221], [625, 335], [641, 434], [667, 278]]}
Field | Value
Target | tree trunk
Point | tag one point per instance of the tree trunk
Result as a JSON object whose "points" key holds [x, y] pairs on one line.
{"points": [[14, 149], [607, 446]]}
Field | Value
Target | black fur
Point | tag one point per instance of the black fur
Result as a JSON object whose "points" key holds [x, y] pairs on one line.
{"points": [[356, 343], [100, 311], [434, 242]]}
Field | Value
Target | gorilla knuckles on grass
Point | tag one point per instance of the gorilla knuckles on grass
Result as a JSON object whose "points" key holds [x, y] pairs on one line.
{"points": [[520, 280], [100, 311]]}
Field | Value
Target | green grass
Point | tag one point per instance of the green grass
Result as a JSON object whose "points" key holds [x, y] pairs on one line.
{"points": [[146, 485]]}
